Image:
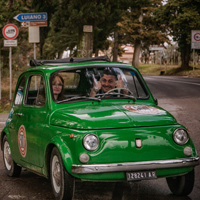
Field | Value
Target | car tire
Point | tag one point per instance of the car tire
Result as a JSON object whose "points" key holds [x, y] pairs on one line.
{"points": [[181, 185], [63, 184], [12, 169]]}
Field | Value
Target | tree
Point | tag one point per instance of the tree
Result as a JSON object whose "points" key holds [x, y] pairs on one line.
{"points": [[139, 26], [67, 24], [181, 17]]}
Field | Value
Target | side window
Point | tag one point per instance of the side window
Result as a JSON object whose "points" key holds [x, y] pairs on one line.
{"points": [[20, 91], [36, 94], [140, 91], [134, 84]]}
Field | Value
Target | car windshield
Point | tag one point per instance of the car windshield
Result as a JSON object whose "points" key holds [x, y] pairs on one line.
{"points": [[96, 83]]}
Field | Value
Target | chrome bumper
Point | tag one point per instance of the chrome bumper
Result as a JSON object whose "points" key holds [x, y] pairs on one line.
{"points": [[135, 166]]}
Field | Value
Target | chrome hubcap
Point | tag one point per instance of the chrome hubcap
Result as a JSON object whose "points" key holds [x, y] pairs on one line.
{"points": [[7, 156], [56, 174]]}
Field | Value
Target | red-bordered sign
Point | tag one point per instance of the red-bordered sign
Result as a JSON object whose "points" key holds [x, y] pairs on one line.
{"points": [[197, 37], [22, 141], [10, 31]]}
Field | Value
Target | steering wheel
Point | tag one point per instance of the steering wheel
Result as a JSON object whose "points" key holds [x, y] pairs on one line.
{"points": [[118, 92]]}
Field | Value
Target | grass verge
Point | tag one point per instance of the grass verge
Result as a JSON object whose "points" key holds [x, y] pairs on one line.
{"points": [[169, 70]]}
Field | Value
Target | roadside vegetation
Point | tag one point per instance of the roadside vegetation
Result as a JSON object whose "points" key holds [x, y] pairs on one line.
{"points": [[168, 70]]}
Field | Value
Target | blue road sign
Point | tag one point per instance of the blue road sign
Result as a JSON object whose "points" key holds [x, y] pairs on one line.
{"points": [[31, 17]]}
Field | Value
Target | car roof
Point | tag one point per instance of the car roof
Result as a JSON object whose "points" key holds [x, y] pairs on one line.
{"points": [[61, 64]]}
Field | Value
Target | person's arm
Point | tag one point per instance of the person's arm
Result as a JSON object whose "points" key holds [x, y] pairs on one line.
{"points": [[120, 84], [96, 87]]}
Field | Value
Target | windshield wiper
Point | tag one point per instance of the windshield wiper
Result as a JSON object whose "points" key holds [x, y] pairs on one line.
{"points": [[81, 97]]}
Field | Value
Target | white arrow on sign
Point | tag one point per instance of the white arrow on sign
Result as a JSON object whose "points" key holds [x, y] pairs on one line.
{"points": [[25, 24]]}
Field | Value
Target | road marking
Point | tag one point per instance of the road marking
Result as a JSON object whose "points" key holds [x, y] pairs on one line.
{"points": [[171, 80], [16, 197]]}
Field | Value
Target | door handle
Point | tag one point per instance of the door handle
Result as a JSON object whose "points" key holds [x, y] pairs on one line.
{"points": [[19, 114]]}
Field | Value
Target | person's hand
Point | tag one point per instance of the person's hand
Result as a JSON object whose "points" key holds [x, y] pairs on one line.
{"points": [[120, 84], [96, 87]]}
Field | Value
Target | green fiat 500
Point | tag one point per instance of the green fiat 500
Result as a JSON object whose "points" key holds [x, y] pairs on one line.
{"points": [[93, 120]]}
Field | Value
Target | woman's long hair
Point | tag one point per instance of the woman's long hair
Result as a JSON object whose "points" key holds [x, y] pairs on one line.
{"points": [[58, 76]]}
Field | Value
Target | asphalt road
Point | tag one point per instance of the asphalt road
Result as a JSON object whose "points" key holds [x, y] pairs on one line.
{"points": [[180, 96]]}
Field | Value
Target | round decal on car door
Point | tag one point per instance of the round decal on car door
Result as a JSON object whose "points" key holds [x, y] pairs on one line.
{"points": [[22, 140]]}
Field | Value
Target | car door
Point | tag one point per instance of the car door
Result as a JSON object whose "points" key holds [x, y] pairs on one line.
{"points": [[33, 120], [13, 120]]}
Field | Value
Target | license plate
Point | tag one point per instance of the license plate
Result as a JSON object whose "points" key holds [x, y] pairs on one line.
{"points": [[142, 175]]}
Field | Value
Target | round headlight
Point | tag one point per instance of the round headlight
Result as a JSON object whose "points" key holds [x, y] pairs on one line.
{"points": [[181, 136], [91, 142]]}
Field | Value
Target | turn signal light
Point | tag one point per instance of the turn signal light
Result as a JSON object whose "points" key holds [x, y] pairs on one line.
{"points": [[138, 143]]}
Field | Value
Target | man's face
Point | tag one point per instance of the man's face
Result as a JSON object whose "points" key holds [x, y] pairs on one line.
{"points": [[107, 82]]}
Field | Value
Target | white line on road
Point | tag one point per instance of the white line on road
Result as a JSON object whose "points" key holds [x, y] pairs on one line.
{"points": [[174, 81]]}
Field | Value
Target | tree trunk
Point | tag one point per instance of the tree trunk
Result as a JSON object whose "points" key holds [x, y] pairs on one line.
{"points": [[137, 46], [136, 54], [185, 58], [115, 49], [96, 52]]}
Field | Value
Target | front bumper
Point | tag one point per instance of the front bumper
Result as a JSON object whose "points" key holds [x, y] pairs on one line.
{"points": [[135, 166]]}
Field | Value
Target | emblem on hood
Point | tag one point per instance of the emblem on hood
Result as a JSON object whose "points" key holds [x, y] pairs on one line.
{"points": [[142, 109]]}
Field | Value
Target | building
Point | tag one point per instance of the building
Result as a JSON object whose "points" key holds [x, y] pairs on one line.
{"points": [[127, 56]]}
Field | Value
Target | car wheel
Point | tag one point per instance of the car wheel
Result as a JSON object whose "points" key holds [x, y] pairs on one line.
{"points": [[62, 182], [181, 185], [12, 169]]}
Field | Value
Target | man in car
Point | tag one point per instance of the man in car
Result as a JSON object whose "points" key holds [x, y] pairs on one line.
{"points": [[107, 82]]}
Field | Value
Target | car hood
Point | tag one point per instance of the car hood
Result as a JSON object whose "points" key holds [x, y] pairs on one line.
{"points": [[111, 116]]}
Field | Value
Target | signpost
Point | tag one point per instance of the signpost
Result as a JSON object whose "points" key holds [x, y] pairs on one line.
{"points": [[34, 23], [31, 17], [156, 48], [10, 32], [195, 41], [10, 43]]}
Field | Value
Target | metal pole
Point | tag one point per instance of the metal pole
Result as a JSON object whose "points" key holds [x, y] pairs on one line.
{"points": [[34, 59], [10, 64], [193, 59], [0, 71], [160, 59], [34, 50]]}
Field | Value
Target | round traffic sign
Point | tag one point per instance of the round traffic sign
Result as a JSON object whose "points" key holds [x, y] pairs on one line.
{"points": [[10, 31], [197, 37]]}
